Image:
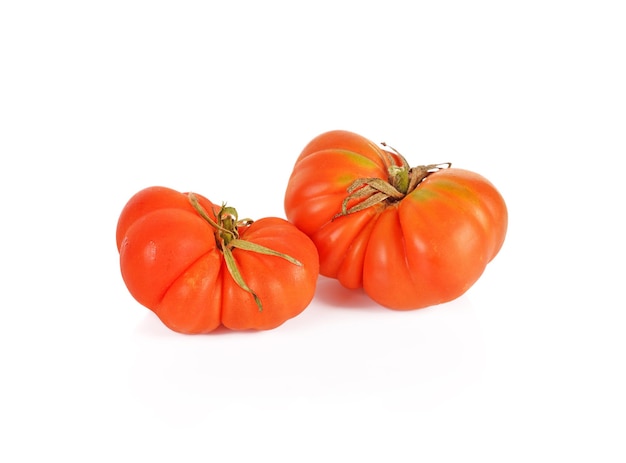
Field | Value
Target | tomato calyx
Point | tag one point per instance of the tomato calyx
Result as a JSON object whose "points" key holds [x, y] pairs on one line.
{"points": [[402, 180], [226, 229]]}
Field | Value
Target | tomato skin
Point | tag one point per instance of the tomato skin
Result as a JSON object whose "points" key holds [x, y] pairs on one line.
{"points": [[426, 248], [171, 263]]}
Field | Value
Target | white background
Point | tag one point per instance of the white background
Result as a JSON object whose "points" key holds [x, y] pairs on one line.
{"points": [[101, 99]]}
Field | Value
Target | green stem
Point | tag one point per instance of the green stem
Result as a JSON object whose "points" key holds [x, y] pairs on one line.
{"points": [[193, 199], [402, 180], [254, 247], [227, 238], [399, 178], [231, 265]]}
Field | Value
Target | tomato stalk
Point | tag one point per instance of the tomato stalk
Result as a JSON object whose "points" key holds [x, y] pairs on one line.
{"points": [[227, 237], [401, 181]]}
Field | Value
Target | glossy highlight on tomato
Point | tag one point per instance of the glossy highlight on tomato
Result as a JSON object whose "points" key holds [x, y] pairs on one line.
{"points": [[198, 267], [410, 237]]}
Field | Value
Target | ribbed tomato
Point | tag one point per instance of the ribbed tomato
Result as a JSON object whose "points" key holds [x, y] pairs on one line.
{"points": [[197, 266], [411, 237]]}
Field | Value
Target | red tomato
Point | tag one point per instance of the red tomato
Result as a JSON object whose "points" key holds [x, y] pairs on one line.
{"points": [[411, 237], [197, 266]]}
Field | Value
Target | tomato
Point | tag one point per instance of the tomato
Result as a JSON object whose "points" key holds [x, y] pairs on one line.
{"points": [[410, 237], [198, 267]]}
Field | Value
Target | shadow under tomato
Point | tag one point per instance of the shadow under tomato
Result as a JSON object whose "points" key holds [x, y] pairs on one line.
{"points": [[331, 293]]}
